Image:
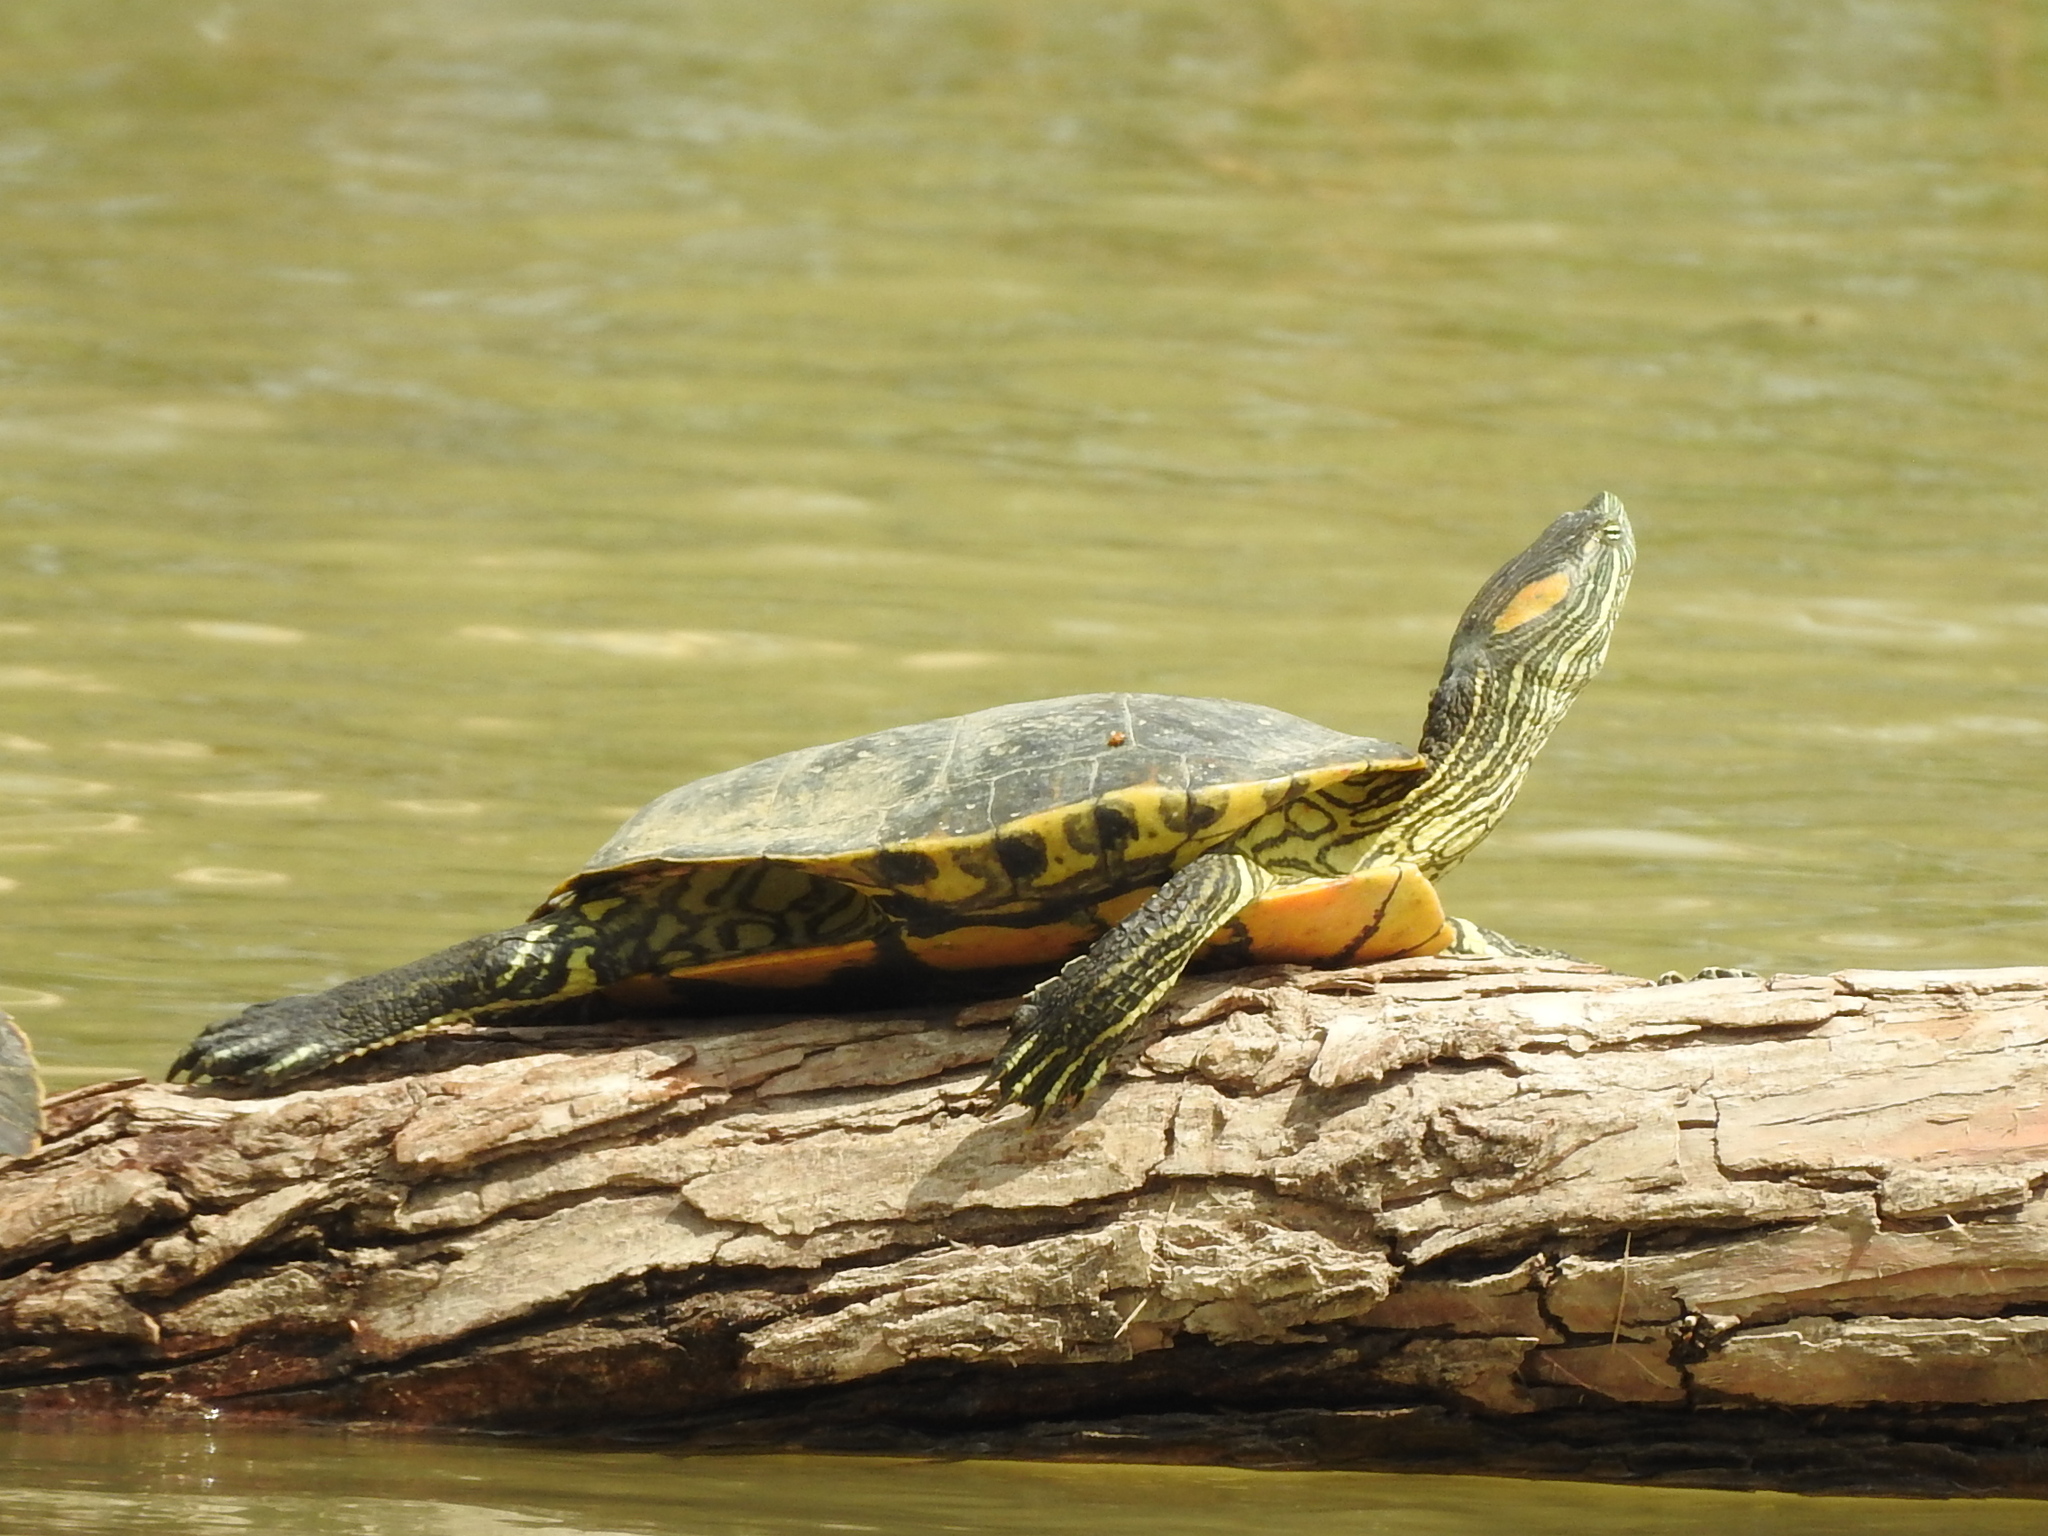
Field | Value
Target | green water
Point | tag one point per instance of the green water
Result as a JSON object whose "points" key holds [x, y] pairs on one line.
{"points": [[55, 1482], [430, 429]]}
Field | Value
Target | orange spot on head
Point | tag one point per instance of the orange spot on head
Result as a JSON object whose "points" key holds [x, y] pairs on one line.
{"points": [[1533, 601]]}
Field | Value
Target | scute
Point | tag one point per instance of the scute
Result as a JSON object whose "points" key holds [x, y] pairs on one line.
{"points": [[963, 777]]}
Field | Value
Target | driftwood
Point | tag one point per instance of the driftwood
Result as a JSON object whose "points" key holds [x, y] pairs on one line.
{"points": [[1508, 1216]]}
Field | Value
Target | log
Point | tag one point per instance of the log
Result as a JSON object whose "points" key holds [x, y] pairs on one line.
{"points": [[1521, 1216]]}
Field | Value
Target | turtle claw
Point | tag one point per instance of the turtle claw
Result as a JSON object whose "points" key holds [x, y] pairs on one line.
{"points": [[1705, 973], [1040, 1069], [265, 1043]]}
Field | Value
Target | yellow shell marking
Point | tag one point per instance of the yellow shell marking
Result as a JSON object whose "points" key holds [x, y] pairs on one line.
{"points": [[1063, 850]]}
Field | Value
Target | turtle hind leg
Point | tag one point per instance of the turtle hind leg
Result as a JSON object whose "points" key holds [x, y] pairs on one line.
{"points": [[289, 1037], [559, 956], [1070, 1026], [604, 935], [1469, 941]]}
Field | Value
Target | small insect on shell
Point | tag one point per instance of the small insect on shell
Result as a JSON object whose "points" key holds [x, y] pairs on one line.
{"points": [[1117, 738]]}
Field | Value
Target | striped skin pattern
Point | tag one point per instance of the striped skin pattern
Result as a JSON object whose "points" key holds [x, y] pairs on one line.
{"points": [[1118, 981], [1118, 836], [1524, 648]]}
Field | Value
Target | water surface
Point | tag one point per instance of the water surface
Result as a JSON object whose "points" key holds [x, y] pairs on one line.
{"points": [[430, 429], [70, 1482]]}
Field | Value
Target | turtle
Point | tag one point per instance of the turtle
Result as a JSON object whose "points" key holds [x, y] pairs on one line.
{"points": [[21, 1092], [1097, 845]]}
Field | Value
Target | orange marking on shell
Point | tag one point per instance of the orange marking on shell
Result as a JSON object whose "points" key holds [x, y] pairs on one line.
{"points": [[784, 967], [1115, 909], [1534, 600], [1375, 914], [1441, 940], [991, 948]]}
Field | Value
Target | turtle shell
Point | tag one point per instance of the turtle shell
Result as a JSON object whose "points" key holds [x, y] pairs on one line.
{"points": [[1001, 807]]}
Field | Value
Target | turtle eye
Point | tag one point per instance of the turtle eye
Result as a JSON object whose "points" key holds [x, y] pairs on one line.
{"points": [[1611, 534]]}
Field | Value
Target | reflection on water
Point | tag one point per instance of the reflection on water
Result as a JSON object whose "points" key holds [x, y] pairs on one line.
{"points": [[431, 429], [314, 1483]]}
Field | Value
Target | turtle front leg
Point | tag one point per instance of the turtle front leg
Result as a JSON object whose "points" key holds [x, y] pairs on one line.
{"points": [[1070, 1026]]}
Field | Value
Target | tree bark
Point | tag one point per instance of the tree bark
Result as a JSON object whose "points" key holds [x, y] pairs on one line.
{"points": [[1515, 1216]]}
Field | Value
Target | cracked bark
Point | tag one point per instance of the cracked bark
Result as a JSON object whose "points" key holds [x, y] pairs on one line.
{"points": [[1513, 1216]]}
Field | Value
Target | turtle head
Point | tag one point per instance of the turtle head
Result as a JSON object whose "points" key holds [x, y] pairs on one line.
{"points": [[1529, 641], [1538, 629]]}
